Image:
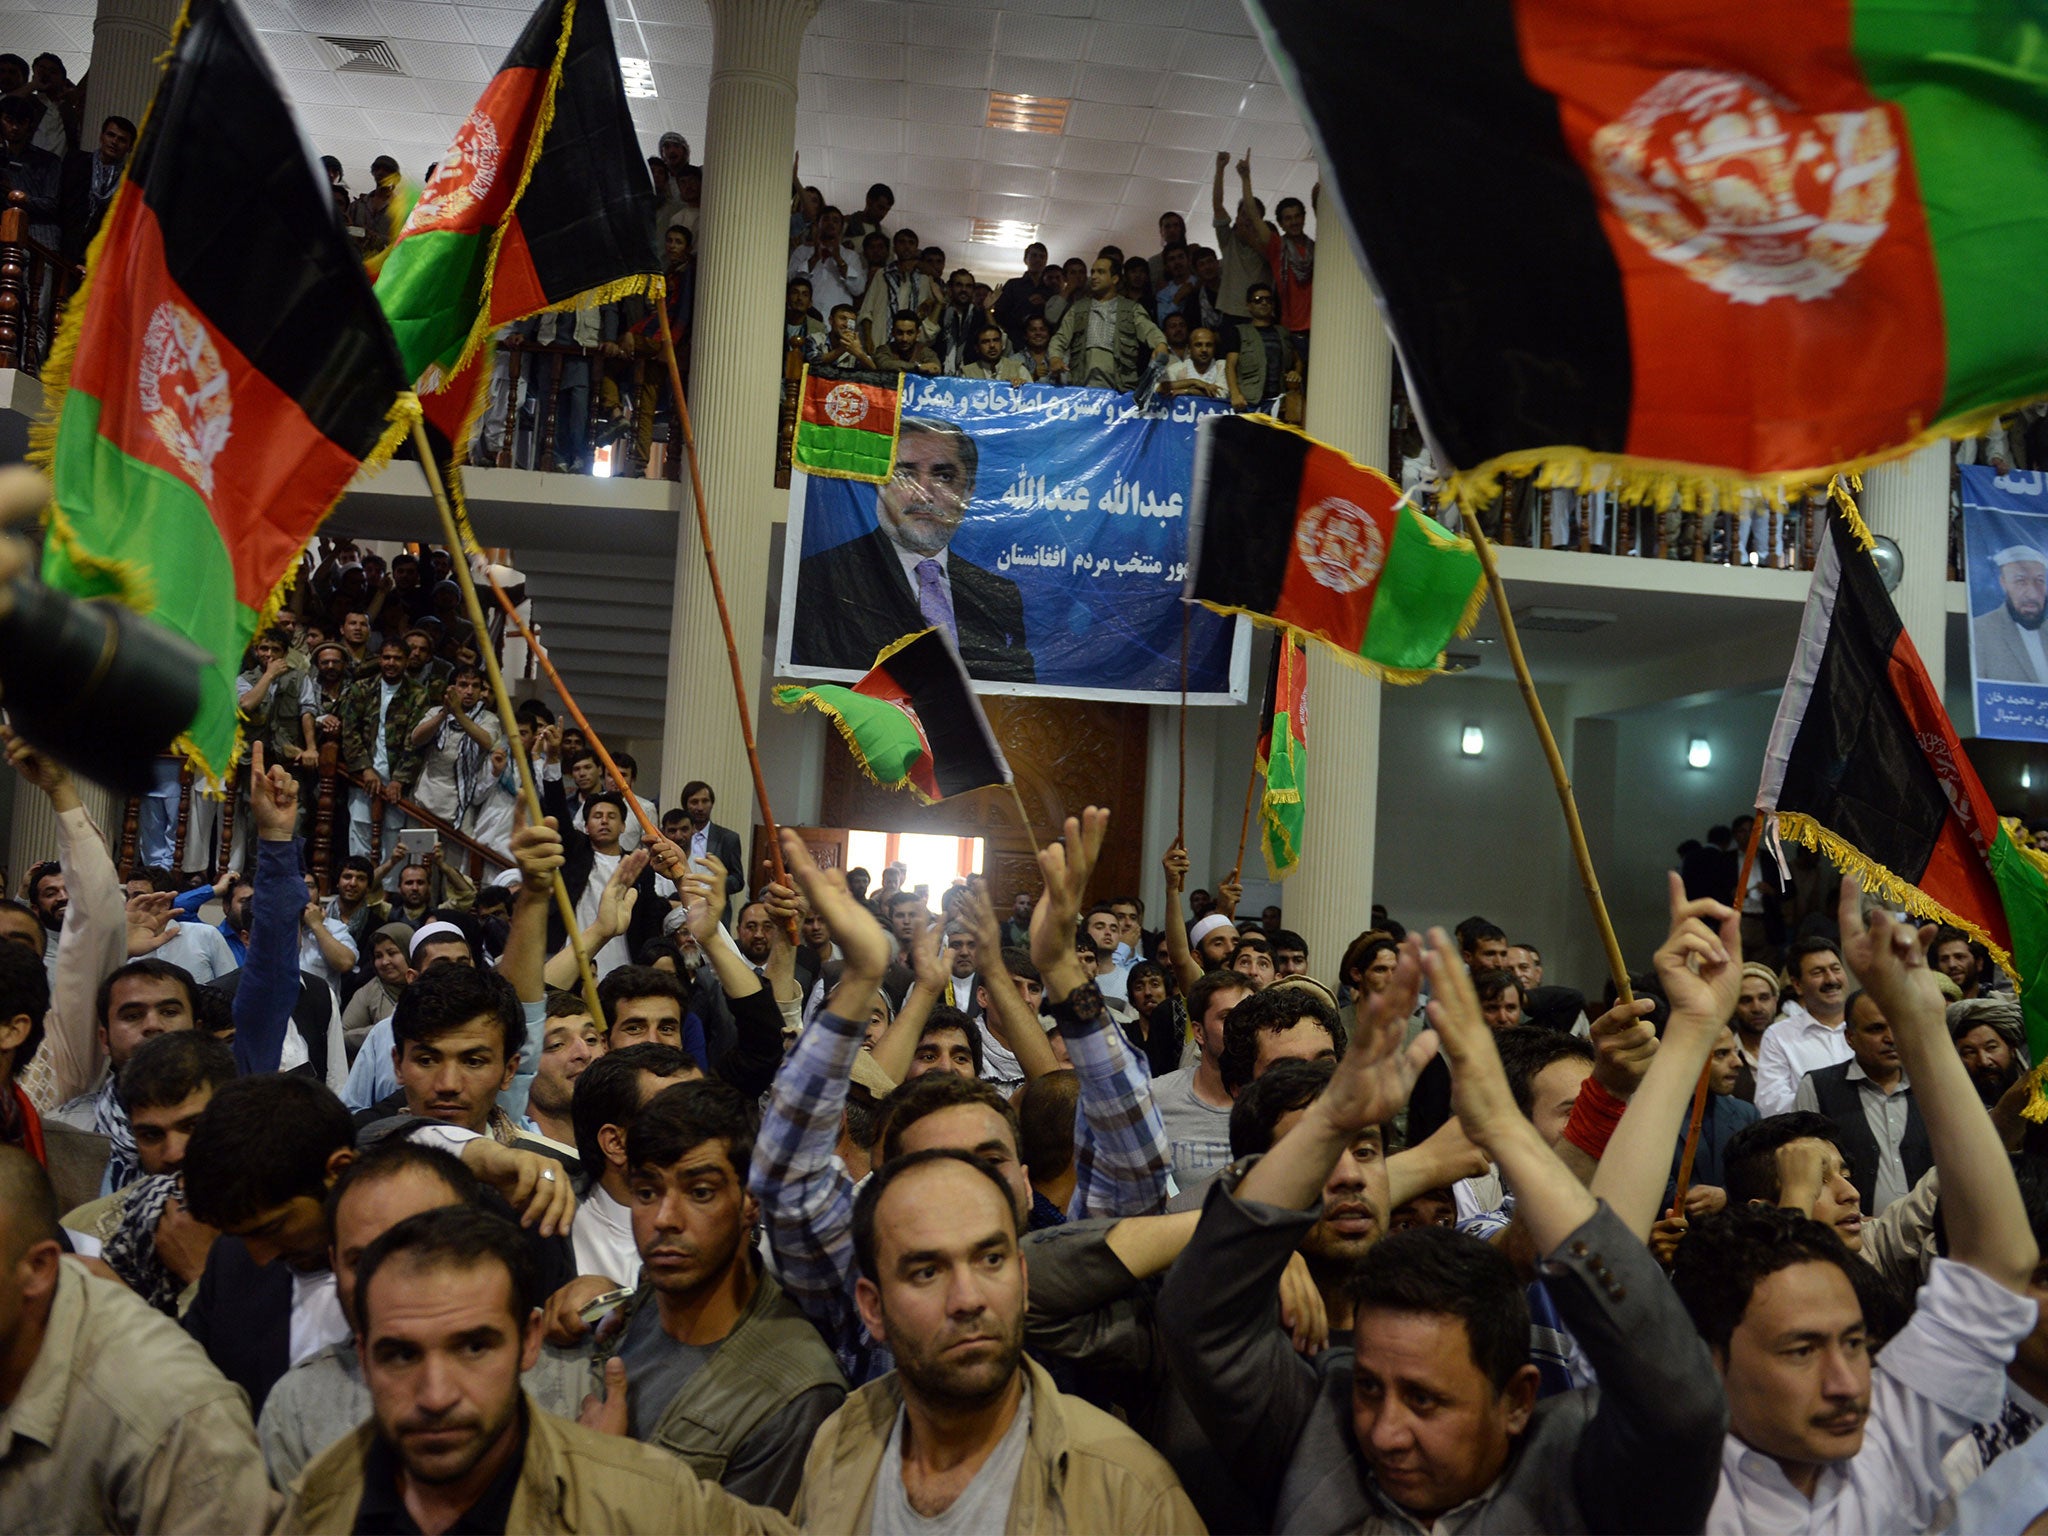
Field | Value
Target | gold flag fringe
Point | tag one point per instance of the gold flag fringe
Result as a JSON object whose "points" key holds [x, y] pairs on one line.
{"points": [[2036, 1108], [1881, 882], [1675, 484], [792, 698]]}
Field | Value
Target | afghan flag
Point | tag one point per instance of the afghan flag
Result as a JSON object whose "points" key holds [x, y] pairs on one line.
{"points": [[542, 201], [1297, 536], [223, 372], [1864, 766], [913, 722], [846, 423], [2022, 874], [1756, 242], [1282, 758]]}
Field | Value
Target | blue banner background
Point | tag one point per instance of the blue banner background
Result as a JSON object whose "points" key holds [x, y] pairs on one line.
{"points": [[1081, 499], [1998, 511]]}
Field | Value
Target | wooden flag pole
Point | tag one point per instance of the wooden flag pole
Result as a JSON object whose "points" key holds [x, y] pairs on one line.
{"points": [[1023, 815], [1244, 827], [647, 827], [529, 791], [1616, 967], [732, 650], [1699, 1092]]}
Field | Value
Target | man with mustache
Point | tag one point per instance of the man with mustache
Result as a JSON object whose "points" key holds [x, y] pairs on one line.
{"points": [[713, 1362], [1810, 1031], [2006, 642], [1987, 1032], [858, 597], [1824, 1435], [967, 1428]]}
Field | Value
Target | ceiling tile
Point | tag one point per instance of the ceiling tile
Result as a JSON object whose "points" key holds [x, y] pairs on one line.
{"points": [[682, 85], [1154, 197], [941, 173], [866, 133], [942, 139], [294, 50], [493, 29], [323, 121], [1227, 58], [1087, 187], [1219, 16], [261, 14], [1032, 77], [1152, 13], [454, 98], [448, 61], [945, 66], [1124, 87], [1097, 154], [337, 18], [673, 13], [1269, 103], [949, 26], [1005, 147], [1138, 47], [1175, 164], [1018, 180], [1192, 93], [1182, 130], [673, 45], [869, 20], [1100, 120], [384, 92], [1275, 141], [866, 61], [316, 87], [434, 23], [945, 104], [995, 205], [1043, 37], [863, 97]]}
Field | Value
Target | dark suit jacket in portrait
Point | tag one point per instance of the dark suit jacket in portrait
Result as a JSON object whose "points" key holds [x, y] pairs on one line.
{"points": [[855, 599]]}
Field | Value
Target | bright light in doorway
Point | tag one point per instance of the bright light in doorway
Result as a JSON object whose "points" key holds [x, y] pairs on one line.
{"points": [[1473, 742], [1698, 753]]}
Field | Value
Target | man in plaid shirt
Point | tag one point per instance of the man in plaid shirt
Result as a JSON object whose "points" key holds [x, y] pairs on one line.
{"points": [[805, 1193]]}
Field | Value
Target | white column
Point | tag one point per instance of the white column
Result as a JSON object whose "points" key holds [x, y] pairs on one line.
{"points": [[128, 37], [32, 834], [735, 383], [1908, 502], [1351, 364]]}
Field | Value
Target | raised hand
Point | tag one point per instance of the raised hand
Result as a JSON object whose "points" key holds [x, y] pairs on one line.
{"points": [[537, 850], [1624, 1045], [273, 798], [1176, 865], [1066, 866], [615, 903], [1890, 959], [861, 940], [932, 972], [1380, 1065], [149, 924], [1700, 962], [1480, 1096]]}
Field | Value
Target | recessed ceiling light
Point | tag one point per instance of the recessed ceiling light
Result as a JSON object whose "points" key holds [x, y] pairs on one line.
{"points": [[1028, 114], [1002, 232], [638, 75]]}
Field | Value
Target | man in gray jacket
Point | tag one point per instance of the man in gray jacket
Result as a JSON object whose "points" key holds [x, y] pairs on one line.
{"points": [[1437, 1411]]}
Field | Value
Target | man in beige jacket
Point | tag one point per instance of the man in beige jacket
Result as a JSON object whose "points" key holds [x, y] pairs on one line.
{"points": [[966, 1429], [452, 1439]]}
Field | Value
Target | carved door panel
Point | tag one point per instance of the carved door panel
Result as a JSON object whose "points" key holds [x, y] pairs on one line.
{"points": [[1064, 754]]}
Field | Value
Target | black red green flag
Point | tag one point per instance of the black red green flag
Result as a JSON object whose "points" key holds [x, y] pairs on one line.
{"points": [[1297, 536], [222, 373], [846, 421], [913, 722], [1863, 763], [1282, 757], [542, 202], [1756, 242]]}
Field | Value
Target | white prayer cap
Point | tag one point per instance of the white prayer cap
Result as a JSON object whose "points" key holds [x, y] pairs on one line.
{"points": [[437, 930], [1207, 926], [2019, 554]]}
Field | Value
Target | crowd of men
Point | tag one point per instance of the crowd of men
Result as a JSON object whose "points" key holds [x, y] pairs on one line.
{"points": [[833, 1211], [1229, 321]]}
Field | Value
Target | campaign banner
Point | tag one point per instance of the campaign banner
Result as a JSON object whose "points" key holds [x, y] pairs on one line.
{"points": [[2005, 564], [1045, 528]]}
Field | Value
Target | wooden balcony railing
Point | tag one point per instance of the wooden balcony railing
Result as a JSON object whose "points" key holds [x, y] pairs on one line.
{"points": [[35, 283], [331, 781]]}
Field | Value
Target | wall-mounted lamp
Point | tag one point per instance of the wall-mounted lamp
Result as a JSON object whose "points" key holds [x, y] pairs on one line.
{"points": [[2026, 776], [1698, 753], [1472, 742]]}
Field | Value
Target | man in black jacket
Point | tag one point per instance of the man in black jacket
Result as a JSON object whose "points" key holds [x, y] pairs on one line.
{"points": [[590, 855], [1877, 1122], [857, 598], [1437, 1409]]}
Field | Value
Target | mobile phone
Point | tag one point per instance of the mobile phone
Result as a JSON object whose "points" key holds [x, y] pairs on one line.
{"points": [[417, 843], [606, 1302]]}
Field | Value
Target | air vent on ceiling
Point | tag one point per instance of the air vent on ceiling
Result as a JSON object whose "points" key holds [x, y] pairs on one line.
{"points": [[363, 56], [639, 77], [1027, 114], [1002, 232], [1561, 621]]}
